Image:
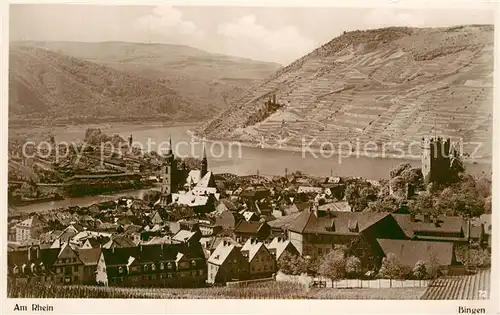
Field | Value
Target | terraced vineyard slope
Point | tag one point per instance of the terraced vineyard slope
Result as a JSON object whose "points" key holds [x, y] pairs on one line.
{"points": [[383, 85], [471, 287]]}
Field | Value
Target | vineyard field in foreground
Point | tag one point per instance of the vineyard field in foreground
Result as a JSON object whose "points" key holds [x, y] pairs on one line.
{"points": [[470, 287], [269, 290]]}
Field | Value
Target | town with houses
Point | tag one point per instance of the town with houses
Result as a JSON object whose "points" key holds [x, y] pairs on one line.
{"points": [[202, 229], [363, 171]]}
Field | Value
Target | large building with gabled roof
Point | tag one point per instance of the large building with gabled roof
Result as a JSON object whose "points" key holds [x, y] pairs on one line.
{"points": [[315, 232], [261, 262], [227, 263], [64, 265], [167, 265]]}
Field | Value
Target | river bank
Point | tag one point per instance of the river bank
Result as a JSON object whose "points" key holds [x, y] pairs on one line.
{"points": [[77, 131], [85, 201], [250, 159], [310, 150]]}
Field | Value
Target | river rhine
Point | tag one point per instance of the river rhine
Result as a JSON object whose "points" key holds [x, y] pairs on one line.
{"points": [[224, 158]]}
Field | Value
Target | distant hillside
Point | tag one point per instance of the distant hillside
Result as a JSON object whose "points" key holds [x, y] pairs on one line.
{"points": [[209, 82], [48, 85], [392, 84]]}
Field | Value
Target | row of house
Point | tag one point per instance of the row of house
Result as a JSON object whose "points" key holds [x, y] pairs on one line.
{"points": [[254, 260], [372, 236], [175, 264]]}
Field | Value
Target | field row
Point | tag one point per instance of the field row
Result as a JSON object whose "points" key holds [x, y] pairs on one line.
{"points": [[470, 287]]}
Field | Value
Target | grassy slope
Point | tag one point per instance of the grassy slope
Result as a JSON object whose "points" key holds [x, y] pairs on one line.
{"points": [[45, 84]]}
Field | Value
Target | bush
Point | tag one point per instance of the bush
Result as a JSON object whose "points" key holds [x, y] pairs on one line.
{"points": [[391, 268]]}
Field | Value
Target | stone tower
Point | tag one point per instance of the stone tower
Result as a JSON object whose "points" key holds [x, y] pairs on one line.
{"points": [[436, 160], [168, 173], [204, 163]]}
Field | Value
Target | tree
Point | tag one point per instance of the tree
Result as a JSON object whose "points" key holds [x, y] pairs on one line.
{"points": [[384, 204], [412, 176], [151, 196], [483, 186], [419, 270], [353, 266], [177, 212], [487, 205], [479, 258], [398, 185], [191, 163], [433, 265], [28, 190], [300, 265], [391, 268], [421, 203], [292, 264], [333, 265], [359, 194], [461, 199], [398, 170], [312, 264]]}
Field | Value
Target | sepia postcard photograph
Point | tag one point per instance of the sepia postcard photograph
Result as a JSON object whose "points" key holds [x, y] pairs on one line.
{"points": [[253, 152]]}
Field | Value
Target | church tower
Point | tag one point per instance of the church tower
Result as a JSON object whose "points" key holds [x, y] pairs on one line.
{"points": [[168, 173], [204, 163]]}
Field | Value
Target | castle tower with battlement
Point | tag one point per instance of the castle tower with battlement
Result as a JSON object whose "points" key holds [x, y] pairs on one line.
{"points": [[437, 156]]}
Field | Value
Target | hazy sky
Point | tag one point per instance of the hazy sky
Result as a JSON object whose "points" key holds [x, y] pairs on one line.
{"points": [[269, 34]]}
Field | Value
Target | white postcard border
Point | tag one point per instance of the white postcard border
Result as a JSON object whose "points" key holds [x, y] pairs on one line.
{"points": [[118, 306]]}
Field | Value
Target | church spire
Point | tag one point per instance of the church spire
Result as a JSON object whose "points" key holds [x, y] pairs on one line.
{"points": [[170, 152], [204, 163]]}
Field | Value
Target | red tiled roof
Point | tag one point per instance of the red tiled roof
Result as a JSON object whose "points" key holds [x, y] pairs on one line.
{"points": [[410, 252], [89, 256], [445, 224], [308, 222], [285, 221], [122, 241], [248, 227]]}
